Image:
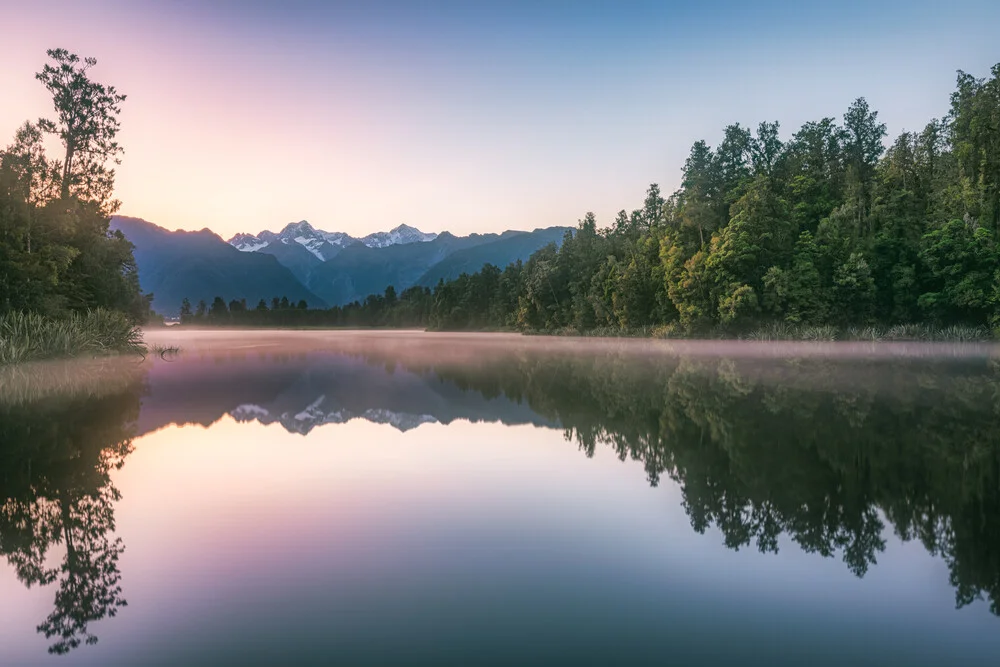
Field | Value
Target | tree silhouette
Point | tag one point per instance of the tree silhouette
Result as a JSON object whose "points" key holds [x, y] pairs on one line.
{"points": [[57, 457]]}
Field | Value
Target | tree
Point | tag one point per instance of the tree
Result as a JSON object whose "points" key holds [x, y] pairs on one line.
{"points": [[854, 290], [218, 309], [975, 130], [699, 205], [962, 261], [765, 149], [56, 251], [863, 147], [86, 123], [652, 207]]}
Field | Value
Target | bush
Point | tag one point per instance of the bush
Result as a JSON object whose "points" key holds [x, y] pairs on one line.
{"points": [[30, 337]]}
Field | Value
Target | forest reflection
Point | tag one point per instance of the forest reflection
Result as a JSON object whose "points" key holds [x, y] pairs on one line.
{"points": [[825, 451], [63, 430], [831, 453]]}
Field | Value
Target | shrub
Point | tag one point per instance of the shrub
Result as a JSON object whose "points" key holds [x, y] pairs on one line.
{"points": [[30, 337]]}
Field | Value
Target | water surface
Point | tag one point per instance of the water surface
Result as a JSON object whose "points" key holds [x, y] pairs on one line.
{"points": [[275, 498]]}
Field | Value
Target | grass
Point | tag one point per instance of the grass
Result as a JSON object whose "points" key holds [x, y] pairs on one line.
{"points": [[31, 337], [900, 332], [166, 352], [785, 331]]}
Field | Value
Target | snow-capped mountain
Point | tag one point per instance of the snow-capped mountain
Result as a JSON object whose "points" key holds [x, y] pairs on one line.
{"points": [[398, 236], [325, 245], [317, 414]]}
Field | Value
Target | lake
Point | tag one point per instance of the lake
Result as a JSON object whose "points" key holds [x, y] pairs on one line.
{"points": [[402, 498]]}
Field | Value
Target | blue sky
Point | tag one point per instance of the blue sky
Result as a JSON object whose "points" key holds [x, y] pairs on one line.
{"points": [[470, 116]]}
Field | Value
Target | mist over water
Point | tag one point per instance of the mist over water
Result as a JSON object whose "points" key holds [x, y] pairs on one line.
{"points": [[302, 497]]}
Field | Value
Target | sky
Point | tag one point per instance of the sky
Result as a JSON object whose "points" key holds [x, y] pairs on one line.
{"points": [[467, 116]]}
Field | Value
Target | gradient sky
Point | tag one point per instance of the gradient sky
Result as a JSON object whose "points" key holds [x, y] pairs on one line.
{"points": [[467, 116]]}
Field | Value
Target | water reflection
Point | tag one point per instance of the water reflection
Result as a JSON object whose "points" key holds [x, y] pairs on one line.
{"points": [[831, 452], [60, 441]]}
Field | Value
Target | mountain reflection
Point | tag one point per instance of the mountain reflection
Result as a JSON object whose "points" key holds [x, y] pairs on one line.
{"points": [[830, 453]]}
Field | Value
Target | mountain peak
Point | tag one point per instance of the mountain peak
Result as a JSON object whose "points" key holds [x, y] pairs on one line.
{"points": [[300, 227], [399, 235]]}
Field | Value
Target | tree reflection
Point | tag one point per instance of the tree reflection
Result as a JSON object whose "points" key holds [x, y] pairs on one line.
{"points": [[826, 454], [56, 492], [823, 452]]}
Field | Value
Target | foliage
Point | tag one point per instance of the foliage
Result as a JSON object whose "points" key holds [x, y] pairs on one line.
{"points": [[57, 255], [827, 229], [29, 337]]}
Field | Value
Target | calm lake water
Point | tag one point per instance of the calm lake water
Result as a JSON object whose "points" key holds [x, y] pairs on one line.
{"points": [[392, 498]]}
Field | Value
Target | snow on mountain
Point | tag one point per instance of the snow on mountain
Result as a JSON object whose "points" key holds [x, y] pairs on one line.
{"points": [[339, 238], [247, 242], [315, 241], [314, 415], [398, 236], [318, 241]]}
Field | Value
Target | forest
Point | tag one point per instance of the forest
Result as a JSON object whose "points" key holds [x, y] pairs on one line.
{"points": [[826, 230], [67, 284]]}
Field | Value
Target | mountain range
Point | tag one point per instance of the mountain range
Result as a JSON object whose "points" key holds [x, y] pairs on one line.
{"points": [[304, 263]]}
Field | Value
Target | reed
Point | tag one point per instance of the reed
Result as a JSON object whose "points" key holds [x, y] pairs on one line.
{"points": [[956, 333], [32, 337]]}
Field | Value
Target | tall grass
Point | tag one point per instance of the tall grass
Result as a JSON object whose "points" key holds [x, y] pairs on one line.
{"points": [[785, 331], [776, 331], [32, 337]]}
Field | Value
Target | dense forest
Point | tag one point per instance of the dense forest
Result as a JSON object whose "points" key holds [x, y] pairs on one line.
{"points": [[826, 229], [58, 259]]}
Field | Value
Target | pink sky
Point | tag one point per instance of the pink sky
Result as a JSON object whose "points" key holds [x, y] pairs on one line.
{"points": [[245, 116]]}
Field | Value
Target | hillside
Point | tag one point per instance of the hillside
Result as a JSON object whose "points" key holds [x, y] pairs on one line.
{"points": [[200, 265], [510, 247], [359, 270]]}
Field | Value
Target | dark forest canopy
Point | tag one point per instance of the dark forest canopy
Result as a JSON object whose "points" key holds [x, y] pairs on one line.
{"points": [[827, 227], [57, 254]]}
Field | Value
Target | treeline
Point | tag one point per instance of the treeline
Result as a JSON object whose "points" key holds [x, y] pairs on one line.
{"points": [[57, 255], [413, 308], [827, 228]]}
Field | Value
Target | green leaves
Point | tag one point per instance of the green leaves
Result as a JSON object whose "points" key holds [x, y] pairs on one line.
{"points": [[87, 124], [56, 253]]}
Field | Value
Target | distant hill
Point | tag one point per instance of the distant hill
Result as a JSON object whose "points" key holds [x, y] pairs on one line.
{"points": [[359, 270], [510, 247], [325, 244], [200, 265], [297, 259], [302, 262]]}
